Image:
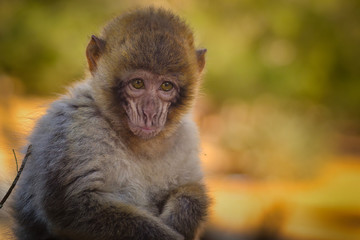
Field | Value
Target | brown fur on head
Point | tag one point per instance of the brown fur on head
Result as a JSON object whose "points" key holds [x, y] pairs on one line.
{"points": [[153, 40]]}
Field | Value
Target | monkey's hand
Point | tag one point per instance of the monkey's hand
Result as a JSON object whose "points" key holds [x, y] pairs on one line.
{"points": [[186, 209]]}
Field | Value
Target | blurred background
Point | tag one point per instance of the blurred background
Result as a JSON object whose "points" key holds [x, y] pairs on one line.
{"points": [[279, 113]]}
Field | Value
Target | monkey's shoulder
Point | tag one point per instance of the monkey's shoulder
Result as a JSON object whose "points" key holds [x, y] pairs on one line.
{"points": [[71, 123]]}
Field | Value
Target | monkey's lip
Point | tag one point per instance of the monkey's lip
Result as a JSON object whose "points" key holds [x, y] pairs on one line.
{"points": [[145, 131]]}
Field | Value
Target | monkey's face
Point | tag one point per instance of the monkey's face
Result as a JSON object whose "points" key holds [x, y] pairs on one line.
{"points": [[146, 72], [146, 100]]}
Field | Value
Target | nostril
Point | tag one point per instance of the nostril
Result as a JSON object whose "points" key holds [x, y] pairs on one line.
{"points": [[149, 114], [153, 115]]}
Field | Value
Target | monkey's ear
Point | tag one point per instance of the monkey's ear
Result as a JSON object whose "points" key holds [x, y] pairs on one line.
{"points": [[200, 54], [94, 50]]}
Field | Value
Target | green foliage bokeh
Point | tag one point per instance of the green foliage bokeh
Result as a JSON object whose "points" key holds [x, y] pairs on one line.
{"points": [[300, 49]]}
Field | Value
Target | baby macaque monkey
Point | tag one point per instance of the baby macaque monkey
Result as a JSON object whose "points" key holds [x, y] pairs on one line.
{"points": [[117, 157]]}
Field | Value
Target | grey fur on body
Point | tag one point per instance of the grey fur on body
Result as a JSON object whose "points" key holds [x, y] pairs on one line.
{"points": [[82, 182]]}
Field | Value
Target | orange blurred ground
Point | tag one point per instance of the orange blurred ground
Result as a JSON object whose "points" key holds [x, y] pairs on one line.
{"points": [[327, 207]]}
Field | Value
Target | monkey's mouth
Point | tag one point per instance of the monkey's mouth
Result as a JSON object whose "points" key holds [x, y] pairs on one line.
{"points": [[145, 132]]}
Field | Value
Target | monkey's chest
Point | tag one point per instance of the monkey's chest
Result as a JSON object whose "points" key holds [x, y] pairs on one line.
{"points": [[146, 184]]}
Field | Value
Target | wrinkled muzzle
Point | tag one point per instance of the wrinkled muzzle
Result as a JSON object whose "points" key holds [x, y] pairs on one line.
{"points": [[146, 118]]}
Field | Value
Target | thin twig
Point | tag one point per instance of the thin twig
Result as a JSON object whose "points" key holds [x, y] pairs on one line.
{"points": [[28, 153], [16, 161]]}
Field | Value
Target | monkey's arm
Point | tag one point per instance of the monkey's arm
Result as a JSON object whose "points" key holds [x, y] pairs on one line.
{"points": [[186, 209], [88, 215]]}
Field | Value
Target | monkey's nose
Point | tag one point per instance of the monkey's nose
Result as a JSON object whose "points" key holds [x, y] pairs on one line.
{"points": [[149, 115]]}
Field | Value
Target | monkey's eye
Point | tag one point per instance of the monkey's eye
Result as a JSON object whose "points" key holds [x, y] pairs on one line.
{"points": [[166, 86], [137, 83]]}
